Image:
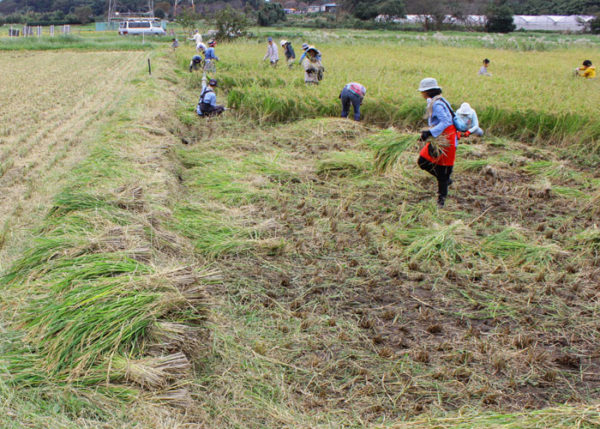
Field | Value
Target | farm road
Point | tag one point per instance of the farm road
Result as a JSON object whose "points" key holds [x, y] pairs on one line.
{"points": [[52, 103]]}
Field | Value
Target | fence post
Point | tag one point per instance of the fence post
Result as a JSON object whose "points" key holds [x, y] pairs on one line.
{"points": [[39, 31], [52, 30]]}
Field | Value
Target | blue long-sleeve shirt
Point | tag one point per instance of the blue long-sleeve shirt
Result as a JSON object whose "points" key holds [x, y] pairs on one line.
{"points": [[471, 121], [304, 55], [440, 119], [209, 97], [210, 54]]}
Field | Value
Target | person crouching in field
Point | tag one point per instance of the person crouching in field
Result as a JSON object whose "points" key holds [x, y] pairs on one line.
{"points": [[210, 58], [290, 55], [272, 52], [207, 105], [469, 117], [352, 94], [438, 154], [483, 71], [586, 70], [196, 63], [313, 70]]}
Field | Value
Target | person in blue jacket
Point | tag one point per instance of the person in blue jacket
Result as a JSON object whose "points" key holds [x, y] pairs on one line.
{"points": [[352, 94], [210, 57], [207, 104]]}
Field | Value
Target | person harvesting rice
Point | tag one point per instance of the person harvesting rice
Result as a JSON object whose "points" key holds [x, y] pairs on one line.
{"points": [[195, 63], [586, 70], [438, 155], [290, 55], [469, 117], [272, 53], [352, 94], [313, 70]]}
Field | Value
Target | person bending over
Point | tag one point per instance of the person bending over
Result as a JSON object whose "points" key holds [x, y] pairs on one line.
{"points": [[352, 94], [469, 117]]}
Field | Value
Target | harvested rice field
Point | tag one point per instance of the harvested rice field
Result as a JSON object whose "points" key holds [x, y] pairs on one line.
{"points": [[261, 268]]}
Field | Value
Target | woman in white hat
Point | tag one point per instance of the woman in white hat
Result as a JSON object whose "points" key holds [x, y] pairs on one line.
{"points": [[469, 117], [438, 155], [288, 50]]}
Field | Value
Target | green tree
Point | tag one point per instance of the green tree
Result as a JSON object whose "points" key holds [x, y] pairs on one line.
{"points": [[188, 19], [394, 8], [270, 13], [230, 23], [499, 19], [83, 14]]}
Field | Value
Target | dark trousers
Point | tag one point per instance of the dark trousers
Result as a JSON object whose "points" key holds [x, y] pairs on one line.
{"points": [[440, 172], [348, 98], [212, 111]]}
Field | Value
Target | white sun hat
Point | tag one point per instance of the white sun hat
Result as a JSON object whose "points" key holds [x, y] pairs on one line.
{"points": [[428, 83], [465, 109], [283, 42]]}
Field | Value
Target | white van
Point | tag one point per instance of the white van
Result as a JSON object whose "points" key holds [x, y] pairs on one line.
{"points": [[141, 27]]}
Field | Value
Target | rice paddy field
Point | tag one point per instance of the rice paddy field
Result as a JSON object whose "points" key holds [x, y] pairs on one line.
{"points": [[280, 267]]}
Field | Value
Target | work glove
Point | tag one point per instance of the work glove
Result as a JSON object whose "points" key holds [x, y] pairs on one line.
{"points": [[425, 135], [466, 133]]}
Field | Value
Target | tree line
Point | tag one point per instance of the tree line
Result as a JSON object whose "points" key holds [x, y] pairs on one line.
{"points": [[268, 13]]}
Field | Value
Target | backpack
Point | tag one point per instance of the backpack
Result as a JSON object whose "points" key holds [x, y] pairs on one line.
{"points": [[202, 106], [459, 124]]}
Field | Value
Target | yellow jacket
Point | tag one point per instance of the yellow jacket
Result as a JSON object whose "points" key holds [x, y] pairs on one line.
{"points": [[589, 73]]}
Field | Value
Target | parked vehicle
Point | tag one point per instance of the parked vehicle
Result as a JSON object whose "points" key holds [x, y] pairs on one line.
{"points": [[141, 27]]}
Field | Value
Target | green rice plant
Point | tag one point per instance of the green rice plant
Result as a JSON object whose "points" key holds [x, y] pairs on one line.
{"points": [[73, 200], [389, 145], [588, 239], [512, 246], [442, 243], [213, 233], [76, 328], [472, 164], [343, 164]]}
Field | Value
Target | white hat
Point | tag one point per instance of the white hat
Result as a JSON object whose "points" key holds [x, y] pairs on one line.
{"points": [[428, 83], [283, 42], [465, 109]]}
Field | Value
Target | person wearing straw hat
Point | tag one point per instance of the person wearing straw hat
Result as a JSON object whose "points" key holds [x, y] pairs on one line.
{"points": [[305, 47], [313, 70], [469, 117], [272, 52], [438, 155], [352, 94], [207, 104], [290, 55]]}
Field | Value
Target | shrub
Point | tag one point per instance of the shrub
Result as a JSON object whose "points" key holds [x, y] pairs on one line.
{"points": [[270, 13], [499, 20], [230, 23]]}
